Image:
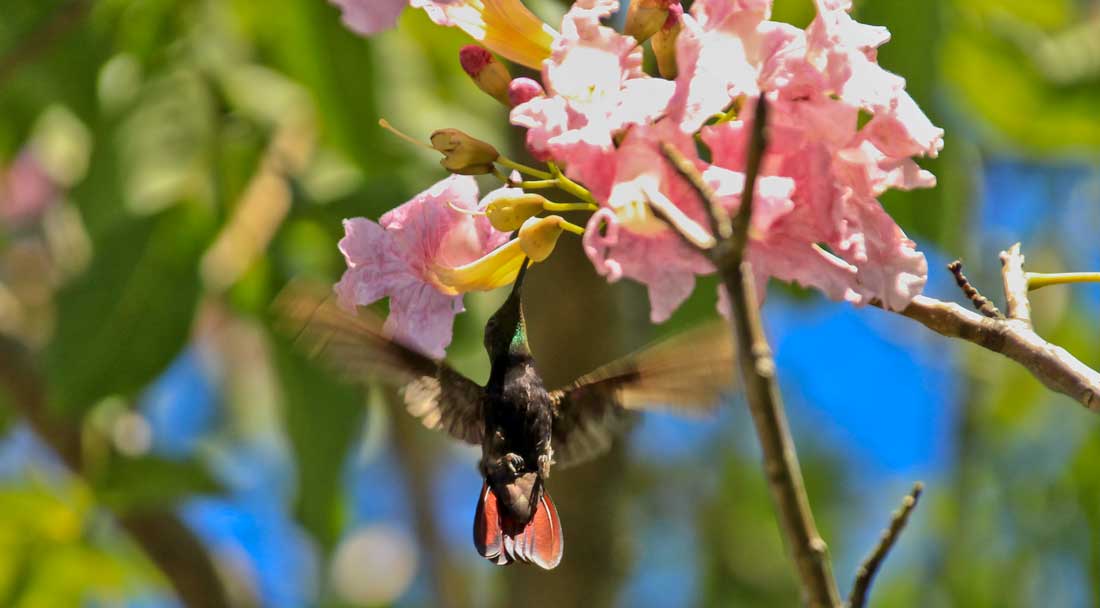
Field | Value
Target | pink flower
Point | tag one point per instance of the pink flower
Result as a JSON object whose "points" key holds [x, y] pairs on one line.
{"points": [[368, 17], [595, 89], [404, 255], [26, 190]]}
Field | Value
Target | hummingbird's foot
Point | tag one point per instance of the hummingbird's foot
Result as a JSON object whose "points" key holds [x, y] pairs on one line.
{"points": [[514, 462], [545, 461]]}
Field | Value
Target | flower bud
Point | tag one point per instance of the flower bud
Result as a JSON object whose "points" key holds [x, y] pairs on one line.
{"points": [[463, 154], [645, 18], [509, 213], [664, 42], [487, 73], [538, 236], [522, 90]]}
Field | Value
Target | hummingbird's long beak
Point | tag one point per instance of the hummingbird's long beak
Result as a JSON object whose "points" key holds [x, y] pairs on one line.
{"points": [[517, 286]]}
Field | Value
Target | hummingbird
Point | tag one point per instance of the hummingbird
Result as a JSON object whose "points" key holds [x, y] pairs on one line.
{"points": [[524, 429]]}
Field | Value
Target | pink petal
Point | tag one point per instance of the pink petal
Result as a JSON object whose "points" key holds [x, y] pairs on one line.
{"points": [[368, 17], [398, 256]]}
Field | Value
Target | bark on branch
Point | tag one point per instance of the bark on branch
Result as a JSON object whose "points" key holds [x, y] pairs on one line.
{"points": [[1013, 336], [758, 373], [870, 566]]}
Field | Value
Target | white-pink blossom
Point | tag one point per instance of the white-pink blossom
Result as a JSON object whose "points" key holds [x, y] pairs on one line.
{"points": [[401, 256]]}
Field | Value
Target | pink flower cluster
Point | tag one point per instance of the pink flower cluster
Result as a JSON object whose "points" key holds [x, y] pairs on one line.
{"points": [[816, 221], [842, 130]]}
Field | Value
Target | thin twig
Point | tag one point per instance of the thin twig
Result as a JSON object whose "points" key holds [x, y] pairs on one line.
{"points": [[870, 566], [1017, 305], [719, 220], [167, 541], [761, 387], [980, 302]]}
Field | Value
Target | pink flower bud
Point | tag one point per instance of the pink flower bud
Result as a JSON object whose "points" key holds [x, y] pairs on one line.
{"points": [[522, 90], [487, 73]]}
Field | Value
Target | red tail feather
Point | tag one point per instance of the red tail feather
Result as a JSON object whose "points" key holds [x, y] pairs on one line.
{"points": [[501, 541]]}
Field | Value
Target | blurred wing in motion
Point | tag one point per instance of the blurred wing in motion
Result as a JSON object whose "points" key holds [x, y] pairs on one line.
{"points": [[687, 374], [356, 346]]}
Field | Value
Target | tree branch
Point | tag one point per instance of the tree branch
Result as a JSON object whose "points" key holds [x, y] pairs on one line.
{"points": [[1013, 336], [758, 372], [873, 562], [167, 541]]}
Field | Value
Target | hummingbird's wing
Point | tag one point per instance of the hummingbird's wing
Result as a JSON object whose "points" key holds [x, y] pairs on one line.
{"points": [[356, 346], [687, 373]]}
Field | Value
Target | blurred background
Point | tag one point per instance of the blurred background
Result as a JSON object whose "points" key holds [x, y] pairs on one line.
{"points": [[166, 166]]}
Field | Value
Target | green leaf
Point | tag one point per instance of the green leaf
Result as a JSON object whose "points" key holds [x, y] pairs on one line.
{"points": [[323, 417], [150, 482], [992, 59], [121, 323]]}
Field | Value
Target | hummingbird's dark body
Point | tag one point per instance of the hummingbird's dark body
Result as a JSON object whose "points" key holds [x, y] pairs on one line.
{"points": [[518, 422], [523, 428]]}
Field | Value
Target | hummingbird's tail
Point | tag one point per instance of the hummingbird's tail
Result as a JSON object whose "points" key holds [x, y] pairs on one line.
{"points": [[502, 540]]}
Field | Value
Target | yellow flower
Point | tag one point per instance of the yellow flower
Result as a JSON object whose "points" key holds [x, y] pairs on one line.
{"points": [[499, 267], [506, 27]]}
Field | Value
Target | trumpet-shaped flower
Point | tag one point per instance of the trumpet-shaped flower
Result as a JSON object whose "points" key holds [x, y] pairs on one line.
{"points": [[506, 27], [422, 255], [595, 89]]}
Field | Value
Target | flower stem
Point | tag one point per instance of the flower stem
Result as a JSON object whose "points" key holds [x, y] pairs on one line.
{"points": [[1036, 280], [571, 227], [541, 184], [569, 185], [522, 168], [558, 207]]}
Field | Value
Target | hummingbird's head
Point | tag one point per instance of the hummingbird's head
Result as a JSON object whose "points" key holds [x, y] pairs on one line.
{"points": [[506, 332]]}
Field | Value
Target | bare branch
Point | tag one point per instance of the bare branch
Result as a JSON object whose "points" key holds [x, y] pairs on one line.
{"points": [[873, 562], [1052, 365], [166, 540], [980, 302], [761, 387]]}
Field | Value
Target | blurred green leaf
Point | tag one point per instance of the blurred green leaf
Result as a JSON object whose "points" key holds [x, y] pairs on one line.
{"points": [[323, 417], [990, 59], [122, 322], [125, 484]]}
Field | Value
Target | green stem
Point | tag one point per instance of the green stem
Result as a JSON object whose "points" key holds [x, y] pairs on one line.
{"points": [[571, 227], [542, 184], [559, 207], [1036, 280], [569, 185], [522, 168]]}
